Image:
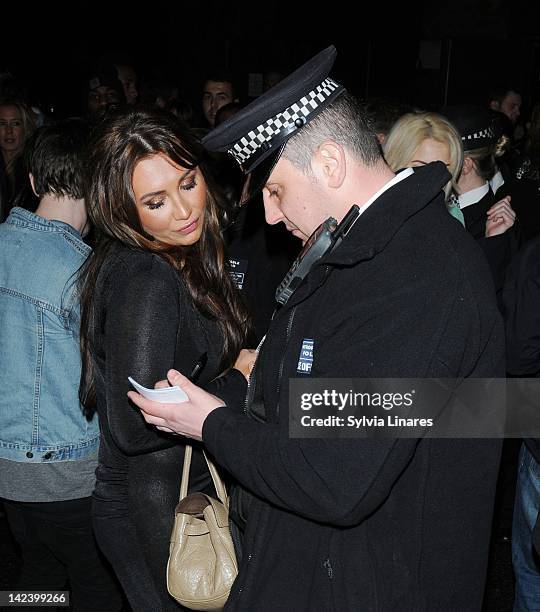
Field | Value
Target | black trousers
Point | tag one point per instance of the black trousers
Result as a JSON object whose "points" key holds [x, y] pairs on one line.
{"points": [[57, 544]]}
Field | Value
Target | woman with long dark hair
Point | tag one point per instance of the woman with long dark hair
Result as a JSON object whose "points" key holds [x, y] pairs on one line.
{"points": [[155, 295]]}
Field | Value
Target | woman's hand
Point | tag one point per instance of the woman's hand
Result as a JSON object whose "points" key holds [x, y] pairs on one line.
{"points": [[500, 218], [245, 361]]}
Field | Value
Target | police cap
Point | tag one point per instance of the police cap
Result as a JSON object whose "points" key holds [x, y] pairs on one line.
{"points": [[256, 135]]}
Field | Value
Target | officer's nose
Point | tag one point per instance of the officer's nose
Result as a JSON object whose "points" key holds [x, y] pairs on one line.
{"points": [[272, 211]]}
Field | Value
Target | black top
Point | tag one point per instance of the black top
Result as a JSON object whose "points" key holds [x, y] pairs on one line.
{"points": [[499, 249], [144, 324]]}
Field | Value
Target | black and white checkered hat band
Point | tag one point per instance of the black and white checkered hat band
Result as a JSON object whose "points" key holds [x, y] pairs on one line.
{"points": [[249, 144], [486, 133]]}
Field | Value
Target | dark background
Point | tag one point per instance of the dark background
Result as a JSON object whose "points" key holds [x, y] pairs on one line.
{"points": [[424, 53]]}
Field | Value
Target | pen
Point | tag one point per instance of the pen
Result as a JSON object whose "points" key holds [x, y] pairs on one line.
{"points": [[201, 362]]}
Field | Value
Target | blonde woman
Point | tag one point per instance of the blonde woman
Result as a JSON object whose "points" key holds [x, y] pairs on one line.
{"points": [[417, 139], [17, 124]]}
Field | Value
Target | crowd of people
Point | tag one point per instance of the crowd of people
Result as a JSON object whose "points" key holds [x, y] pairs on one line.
{"points": [[133, 243]]}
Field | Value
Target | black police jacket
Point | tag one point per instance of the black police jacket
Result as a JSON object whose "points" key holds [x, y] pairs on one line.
{"points": [[521, 300], [364, 524]]}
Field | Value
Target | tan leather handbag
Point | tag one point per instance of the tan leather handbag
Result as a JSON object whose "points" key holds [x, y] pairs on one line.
{"points": [[202, 562]]}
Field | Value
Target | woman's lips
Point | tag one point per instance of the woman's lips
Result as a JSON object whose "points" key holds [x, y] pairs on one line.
{"points": [[187, 229]]}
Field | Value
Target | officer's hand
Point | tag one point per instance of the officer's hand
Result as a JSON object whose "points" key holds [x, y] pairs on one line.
{"points": [[186, 418]]}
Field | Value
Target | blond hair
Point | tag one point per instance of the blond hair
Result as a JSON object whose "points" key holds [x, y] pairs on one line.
{"points": [[28, 120], [411, 130]]}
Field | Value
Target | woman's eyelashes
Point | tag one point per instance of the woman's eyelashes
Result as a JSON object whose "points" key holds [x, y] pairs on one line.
{"points": [[155, 205], [189, 184], [186, 185]]}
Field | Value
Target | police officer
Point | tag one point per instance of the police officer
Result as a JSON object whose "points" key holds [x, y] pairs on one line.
{"points": [[352, 524]]}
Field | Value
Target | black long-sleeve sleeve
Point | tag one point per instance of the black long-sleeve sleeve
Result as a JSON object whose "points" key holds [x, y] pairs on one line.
{"points": [[231, 388], [334, 481], [141, 326]]}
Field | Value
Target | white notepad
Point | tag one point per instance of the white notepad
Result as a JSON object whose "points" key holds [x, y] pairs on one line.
{"points": [[169, 395]]}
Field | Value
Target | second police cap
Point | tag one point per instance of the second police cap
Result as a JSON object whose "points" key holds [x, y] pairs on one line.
{"points": [[255, 136], [473, 123]]}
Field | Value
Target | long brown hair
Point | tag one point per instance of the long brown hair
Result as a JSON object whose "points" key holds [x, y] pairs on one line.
{"points": [[118, 144]]}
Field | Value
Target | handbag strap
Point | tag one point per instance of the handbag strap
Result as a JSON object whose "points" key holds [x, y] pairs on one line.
{"points": [[185, 472], [219, 485]]}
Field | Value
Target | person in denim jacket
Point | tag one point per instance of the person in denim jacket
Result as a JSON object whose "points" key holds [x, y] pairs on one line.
{"points": [[48, 447]]}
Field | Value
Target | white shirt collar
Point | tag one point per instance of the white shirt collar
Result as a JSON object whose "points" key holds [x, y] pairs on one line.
{"points": [[496, 181], [473, 196], [393, 181]]}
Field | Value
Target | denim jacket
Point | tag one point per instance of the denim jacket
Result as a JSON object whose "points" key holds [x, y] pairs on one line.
{"points": [[40, 416]]}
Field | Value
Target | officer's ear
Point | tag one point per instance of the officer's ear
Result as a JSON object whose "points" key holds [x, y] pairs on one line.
{"points": [[468, 166], [330, 164]]}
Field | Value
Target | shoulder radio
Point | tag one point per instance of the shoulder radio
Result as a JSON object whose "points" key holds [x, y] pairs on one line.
{"points": [[323, 240]]}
